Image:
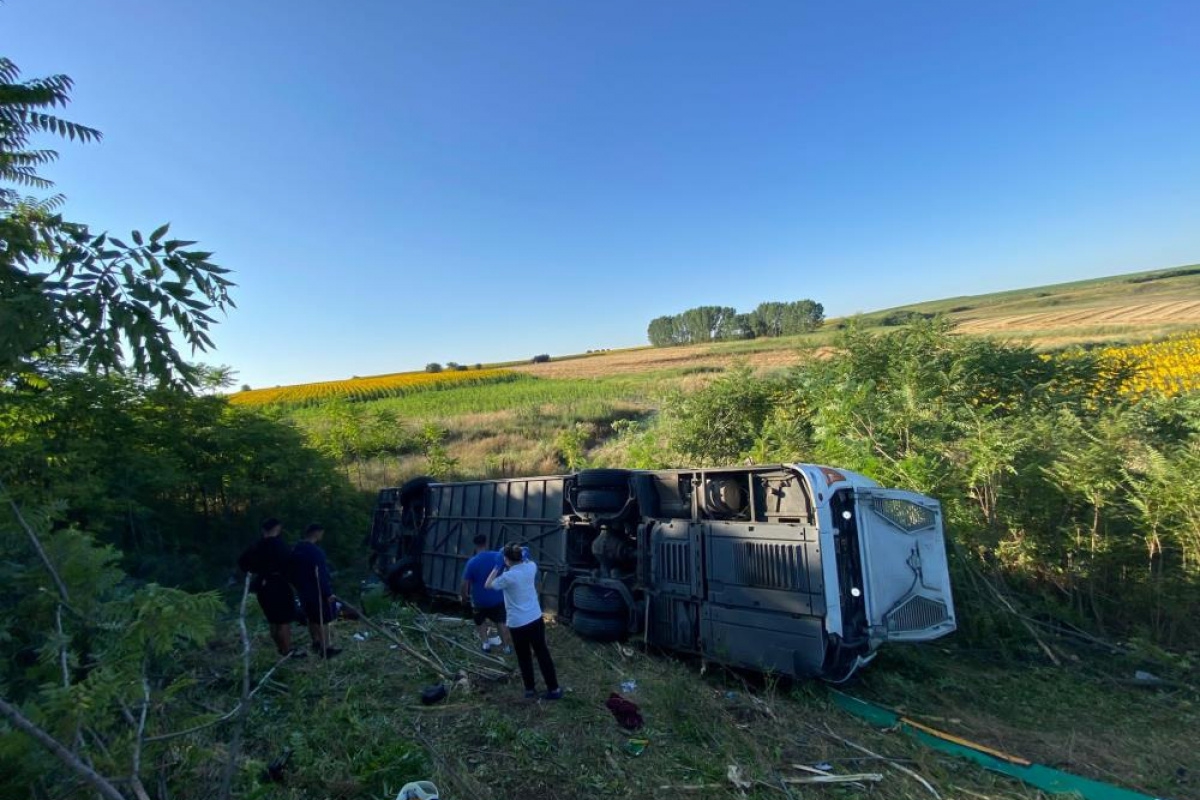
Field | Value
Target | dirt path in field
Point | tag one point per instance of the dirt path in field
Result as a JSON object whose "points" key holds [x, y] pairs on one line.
{"points": [[1137, 314]]}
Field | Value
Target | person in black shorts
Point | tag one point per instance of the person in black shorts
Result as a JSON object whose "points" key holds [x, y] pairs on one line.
{"points": [[267, 560], [486, 605], [309, 573]]}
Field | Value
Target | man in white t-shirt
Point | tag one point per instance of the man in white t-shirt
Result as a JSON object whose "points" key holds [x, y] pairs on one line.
{"points": [[518, 582]]}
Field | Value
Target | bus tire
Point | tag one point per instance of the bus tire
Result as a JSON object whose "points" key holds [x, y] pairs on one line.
{"points": [[598, 627], [602, 479], [404, 579], [600, 500], [598, 600]]}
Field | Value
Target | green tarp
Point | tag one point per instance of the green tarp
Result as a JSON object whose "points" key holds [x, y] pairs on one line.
{"points": [[1049, 780]]}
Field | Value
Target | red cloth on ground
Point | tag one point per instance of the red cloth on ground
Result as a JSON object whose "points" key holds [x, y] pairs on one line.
{"points": [[625, 712]]}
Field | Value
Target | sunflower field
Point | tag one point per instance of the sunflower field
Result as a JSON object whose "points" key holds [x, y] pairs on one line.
{"points": [[1168, 367], [374, 387]]}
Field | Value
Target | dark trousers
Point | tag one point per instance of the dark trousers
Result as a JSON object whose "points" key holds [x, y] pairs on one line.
{"points": [[532, 637]]}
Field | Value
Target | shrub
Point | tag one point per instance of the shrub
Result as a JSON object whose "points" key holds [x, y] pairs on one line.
{"points": [[433, 366], [541, 359]]}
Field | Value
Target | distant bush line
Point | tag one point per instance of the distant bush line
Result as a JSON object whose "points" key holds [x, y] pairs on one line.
{"points": [[723, 323]]}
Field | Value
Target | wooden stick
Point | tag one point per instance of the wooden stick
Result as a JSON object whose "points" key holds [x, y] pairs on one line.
{"points": [[873, 777], [227, 715], [891, 762], [403, 645]]}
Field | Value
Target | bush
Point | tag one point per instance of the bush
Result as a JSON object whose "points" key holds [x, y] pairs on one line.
{"points": [[433, 366], [541, 359]]}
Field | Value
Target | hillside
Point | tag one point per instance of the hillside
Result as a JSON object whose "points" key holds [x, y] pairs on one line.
{"points": [[1127, 308], [1120, 309], [357, 730]]}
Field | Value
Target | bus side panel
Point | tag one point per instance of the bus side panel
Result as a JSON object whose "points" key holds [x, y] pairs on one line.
{"points": [[765, 604], [527, 511]]}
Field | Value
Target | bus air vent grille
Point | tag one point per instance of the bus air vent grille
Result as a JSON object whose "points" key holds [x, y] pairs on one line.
{"points": [[904, 514], [917, 614]]}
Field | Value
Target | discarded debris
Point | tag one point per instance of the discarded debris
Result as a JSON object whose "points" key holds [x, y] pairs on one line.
{"points": [[626, 712], [734, 776], [635, 747], [431, 695], [418, 790], [628, 686]]}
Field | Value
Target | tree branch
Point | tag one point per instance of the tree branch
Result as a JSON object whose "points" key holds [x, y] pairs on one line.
{"points": [[224, 717], [37, 546], [23, 724], [235, 745], [139, 738]]}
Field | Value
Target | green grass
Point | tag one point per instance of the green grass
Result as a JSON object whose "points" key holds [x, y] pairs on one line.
{"points": [[521, 393], [1177, 282], [357, 730]]}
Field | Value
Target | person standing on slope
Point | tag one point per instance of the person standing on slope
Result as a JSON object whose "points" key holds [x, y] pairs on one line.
{"points": [[267, 559], [309, 572], [486, 604], [518, 582]]}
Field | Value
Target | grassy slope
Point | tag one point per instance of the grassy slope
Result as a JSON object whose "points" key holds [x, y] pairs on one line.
{"points": [[358, 731], [368, 735]]}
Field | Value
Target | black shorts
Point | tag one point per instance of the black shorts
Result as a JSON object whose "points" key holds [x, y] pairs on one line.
{"points": [[317, 612], [277, 601], [495, 614]]}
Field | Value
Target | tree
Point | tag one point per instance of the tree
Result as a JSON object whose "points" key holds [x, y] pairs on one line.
{"points": [[75, 302], [708, 323], [767, 319], [802, 316], [662, 331], [85, 299]]}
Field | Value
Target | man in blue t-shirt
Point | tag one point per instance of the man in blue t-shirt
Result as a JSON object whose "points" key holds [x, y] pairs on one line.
{"points": [[486, 604]]}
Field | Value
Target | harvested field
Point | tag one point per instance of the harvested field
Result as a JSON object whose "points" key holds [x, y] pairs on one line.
{"points": [[1132, 315], [648, 359]]}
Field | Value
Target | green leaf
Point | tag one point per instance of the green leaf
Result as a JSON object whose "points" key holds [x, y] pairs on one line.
{"points": [[160, 232]]}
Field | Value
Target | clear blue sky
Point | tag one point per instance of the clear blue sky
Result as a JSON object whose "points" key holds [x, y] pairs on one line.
{"points": [[472, 180]]}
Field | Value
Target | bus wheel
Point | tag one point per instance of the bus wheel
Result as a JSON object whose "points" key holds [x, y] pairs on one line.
{"points": [[600, 628], [602, 479], [598, 600], [599, 501], [405, 579]]}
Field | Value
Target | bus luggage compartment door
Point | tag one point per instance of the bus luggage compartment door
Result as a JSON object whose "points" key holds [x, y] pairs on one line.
{"points": [[765, 604], [676, 579]]}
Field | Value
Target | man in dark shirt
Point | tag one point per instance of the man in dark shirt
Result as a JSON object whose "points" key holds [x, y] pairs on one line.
{"points": [[267, 559], [309, 573]]}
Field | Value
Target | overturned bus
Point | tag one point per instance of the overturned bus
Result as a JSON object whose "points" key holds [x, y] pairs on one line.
{"points": [[797, 569]]}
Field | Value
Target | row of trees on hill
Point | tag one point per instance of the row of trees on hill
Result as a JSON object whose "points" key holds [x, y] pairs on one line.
{"points": [[720, 323]]}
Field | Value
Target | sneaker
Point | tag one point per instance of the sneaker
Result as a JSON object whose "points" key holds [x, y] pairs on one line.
{"points": [[557, 694], [297, 652], [530, 694], [487, 647]]}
